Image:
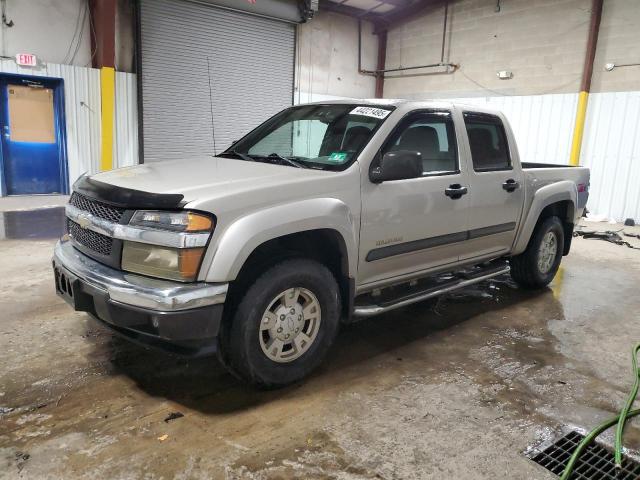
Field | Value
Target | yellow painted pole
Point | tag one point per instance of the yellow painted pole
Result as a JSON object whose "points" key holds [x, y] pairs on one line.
{"points": [[578, 131], [585, 84], [107, 94]]}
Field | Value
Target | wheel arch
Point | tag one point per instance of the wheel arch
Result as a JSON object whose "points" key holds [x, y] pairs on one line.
{"points": [[557, 199]]}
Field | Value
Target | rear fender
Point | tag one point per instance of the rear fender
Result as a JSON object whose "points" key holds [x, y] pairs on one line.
{"points": [[565, 190]]}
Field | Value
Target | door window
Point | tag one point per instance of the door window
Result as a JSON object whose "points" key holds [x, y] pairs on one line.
{"points": [[431, 134], [488, 142], [31, 114]]}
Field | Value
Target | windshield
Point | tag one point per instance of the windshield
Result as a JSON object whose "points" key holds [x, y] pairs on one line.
{"points": [[313, 136]]}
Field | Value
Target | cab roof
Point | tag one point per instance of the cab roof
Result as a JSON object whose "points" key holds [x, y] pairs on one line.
{"points": [[408, 105]]}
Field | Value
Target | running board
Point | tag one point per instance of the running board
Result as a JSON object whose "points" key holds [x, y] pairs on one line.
{"points": [[419, 294]]}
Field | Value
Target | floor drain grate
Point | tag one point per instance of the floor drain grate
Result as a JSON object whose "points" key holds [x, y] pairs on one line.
{"points": [[595, 463]]}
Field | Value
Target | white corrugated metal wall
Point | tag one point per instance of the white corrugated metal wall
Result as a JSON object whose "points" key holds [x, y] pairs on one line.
{"points": [[82, 115], [611, 148], [125, 148], [543, 126]]}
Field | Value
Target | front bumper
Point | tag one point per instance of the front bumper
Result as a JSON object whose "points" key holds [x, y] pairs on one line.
{"points": [[181, 317]]}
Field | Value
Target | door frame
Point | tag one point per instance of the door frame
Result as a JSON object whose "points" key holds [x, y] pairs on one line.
{"points": [[60, 125]]}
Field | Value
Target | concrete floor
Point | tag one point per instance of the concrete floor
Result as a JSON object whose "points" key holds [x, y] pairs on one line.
{"points": [[457, 388]]}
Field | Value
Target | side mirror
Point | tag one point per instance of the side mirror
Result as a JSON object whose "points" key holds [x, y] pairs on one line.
{"points": [[399, 165]]}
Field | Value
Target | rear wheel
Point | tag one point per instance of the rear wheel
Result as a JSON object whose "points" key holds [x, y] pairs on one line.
{"points": [[284, 324], [538, 264]]}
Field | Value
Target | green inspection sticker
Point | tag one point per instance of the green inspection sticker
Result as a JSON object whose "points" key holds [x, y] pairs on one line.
{"points": [[338, 157]]}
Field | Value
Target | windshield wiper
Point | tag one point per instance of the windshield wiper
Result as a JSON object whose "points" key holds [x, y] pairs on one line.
{"points": [[237, 154], [285, 160], [271, 156]]}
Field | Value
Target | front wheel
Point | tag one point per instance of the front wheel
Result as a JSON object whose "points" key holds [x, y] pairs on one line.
{"points": [[284, 324], [538, 264]]}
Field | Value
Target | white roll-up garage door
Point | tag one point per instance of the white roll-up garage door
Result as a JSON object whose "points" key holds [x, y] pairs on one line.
{"points": [[209, 75]]}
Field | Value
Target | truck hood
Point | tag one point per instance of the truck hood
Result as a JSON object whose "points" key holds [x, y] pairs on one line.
{"points": [[206, 178]]}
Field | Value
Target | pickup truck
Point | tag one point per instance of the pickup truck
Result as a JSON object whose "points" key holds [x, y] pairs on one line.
{"points": [[323, 214]]}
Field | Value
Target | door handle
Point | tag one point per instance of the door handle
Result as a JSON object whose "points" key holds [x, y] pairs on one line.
{"points": [[455, 191], [510, 185]]}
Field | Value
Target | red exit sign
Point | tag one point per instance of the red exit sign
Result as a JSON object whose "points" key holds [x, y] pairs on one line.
{"points": [[26, 60]]}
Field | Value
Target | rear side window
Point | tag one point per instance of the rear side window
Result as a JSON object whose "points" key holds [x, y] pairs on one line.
{"points": [[488, 142], [432, 134]]}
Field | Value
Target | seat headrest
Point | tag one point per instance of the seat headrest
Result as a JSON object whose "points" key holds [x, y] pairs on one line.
{"points": [[422, 138], [355, 137]]}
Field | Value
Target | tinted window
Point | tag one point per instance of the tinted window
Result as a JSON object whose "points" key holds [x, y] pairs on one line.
{"points": [[488, 142], [321, 136], [431, 134]]}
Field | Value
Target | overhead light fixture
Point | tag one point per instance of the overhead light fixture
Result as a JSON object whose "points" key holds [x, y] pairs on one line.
{"points": [[504, 75], [610, 66]]}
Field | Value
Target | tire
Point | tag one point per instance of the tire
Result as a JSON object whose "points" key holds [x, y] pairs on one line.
{"points": [[258, 353], [529, 269]]}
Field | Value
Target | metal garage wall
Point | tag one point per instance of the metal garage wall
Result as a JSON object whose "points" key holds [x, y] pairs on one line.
{"points": [[209, 75], [82, 115], [611, 148], [543, 126], [125, 148]]}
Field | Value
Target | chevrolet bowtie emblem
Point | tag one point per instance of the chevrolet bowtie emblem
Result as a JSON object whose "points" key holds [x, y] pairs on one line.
{"points": [[83, 220]]}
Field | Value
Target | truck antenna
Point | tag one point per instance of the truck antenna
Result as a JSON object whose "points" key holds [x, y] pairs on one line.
{"points": [[213, 131]]}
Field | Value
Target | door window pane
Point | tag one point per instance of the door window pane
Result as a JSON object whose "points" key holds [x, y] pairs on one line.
{"points": [[488, 142], [432, 135], [31, 114]]}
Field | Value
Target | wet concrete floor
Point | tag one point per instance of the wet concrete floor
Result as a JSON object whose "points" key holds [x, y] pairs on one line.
{"points": [[455, 388]]}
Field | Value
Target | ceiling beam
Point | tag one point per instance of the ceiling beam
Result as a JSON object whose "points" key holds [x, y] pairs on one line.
{"points": [[350, 11], [400, 15], [396, 3], [383, 21]]}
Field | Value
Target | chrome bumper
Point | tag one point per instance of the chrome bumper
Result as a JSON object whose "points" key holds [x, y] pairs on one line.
{"points": [[136, 290]]}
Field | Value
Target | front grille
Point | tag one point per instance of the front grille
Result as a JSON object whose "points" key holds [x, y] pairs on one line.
{"points": [[99, 209], [596, 462], [90, 239]]}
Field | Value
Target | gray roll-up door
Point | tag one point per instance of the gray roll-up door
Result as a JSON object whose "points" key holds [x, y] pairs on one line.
{"points": [[209, 75]]}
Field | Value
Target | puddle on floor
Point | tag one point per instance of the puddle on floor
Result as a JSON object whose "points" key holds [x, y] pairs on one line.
{"points": [[32, 224]]}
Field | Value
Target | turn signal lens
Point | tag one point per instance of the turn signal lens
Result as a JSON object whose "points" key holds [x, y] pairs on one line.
{"points": [[175, 221], [198, 223]]}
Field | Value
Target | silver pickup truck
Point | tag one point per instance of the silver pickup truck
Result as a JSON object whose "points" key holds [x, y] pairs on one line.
{"points": [[323, 214]]}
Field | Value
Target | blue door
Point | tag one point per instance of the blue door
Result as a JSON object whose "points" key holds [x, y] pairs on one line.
{"points": [[31, 123]]}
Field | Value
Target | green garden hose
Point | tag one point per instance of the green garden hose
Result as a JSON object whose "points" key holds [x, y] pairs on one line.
{"points": [[620, 420], [624, 414]]}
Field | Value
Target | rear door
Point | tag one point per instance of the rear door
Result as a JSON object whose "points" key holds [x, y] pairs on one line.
{"points": [[413, 225], [495, 191]]}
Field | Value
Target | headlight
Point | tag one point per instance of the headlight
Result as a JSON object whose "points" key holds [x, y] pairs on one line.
{"points": [[172, 244], [180, 264], [174, 221]]}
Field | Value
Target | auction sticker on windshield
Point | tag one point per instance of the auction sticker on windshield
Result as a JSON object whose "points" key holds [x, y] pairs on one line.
{"points": [[338, 157], [370, 112]]}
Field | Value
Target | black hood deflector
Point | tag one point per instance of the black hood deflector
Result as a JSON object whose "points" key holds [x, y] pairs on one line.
{"points": [[126, 197]]}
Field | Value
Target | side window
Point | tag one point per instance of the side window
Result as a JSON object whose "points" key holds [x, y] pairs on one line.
{"points": [[431, 134], [488, 142]]}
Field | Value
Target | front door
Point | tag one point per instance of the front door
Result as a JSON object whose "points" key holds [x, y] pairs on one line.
{"points": [[31, 143], [409, 226], [496, 192]]}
